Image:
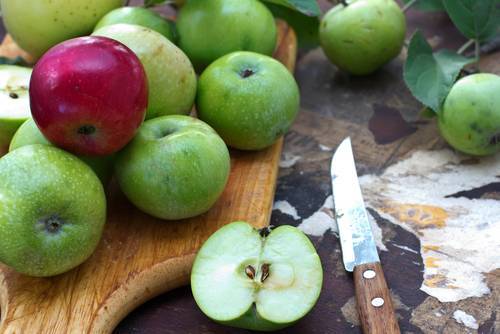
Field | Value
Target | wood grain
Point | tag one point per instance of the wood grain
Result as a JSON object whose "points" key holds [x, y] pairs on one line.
{"points": [[139, 257], [375, 318]]}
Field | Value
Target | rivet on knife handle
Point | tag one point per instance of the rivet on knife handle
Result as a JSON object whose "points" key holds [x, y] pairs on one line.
{"points": [[375, 308]]}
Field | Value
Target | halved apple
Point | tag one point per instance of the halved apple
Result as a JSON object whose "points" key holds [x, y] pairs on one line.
{"points": [[14, 101], [257, 280]]}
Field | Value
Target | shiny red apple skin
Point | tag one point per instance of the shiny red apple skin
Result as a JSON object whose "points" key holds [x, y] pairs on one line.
{"points": [[89, 95]]}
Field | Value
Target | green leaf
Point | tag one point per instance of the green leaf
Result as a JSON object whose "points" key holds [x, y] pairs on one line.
{"points": [[476, 19], [13, 61], [306, 27], [428, 75], [428, 5], [306, 7]]}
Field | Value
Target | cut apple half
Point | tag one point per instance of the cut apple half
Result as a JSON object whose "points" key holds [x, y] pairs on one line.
{"points": [[14, 101], [257, 280]]}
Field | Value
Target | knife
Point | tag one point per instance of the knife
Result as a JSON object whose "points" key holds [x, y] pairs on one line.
{"points": [[359, 251]]}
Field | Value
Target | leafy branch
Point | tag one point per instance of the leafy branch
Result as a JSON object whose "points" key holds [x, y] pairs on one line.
{"points": [[430, 75]]}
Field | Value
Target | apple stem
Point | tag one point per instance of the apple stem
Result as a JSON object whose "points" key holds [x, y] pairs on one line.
{"points": [[408, 5], [264, 232], [265, 271], [477, 50], [465, 46], [250, 271]]}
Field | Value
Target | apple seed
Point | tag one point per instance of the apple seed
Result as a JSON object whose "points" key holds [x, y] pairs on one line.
{"points": [[250, 271], [13, 95], [265, 271]]}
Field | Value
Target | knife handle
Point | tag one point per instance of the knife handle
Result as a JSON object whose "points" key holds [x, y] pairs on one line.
{"points": [[375, 308]]}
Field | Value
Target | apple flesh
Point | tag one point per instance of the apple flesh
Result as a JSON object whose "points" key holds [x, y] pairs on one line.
{"points": [[37, 25], [88, 95], [171, 77], [14, 101], [250, 99], [29, 134], [211, 29], [246, 279], [470, 119], [175, 168], [364, 35], [52, 210], [139, 16]]}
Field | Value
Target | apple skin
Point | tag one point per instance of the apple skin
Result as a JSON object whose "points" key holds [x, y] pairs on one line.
{"points": [[139, 16], [249, 113], [211, 29], [171, 77], [43, 185], [14, 101], [37, 25], [363, 36], [470, 118], [29, 134], [175, 168], [88, 95]]}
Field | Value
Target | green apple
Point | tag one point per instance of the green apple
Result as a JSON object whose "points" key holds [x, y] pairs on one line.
{"points": [[470, 118], [37, 25], [14, 101], [171, 77], [176, 167], [141, 17], [210, 29], [364, 35], [249, 99], [29, 134], [52, 210], [246, 279]]}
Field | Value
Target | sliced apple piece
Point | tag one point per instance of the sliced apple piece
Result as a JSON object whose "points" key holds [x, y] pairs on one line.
{"points": [[14, 101], [251, 279]]}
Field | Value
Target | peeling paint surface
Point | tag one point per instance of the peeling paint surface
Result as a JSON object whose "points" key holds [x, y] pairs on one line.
{"points": [[288, 160], [459, 236], [325, 148], [286, 208], [323, 220], [465, 319]]}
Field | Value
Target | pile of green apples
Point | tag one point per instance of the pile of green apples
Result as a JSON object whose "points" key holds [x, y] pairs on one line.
{"points": [[111, 94]]}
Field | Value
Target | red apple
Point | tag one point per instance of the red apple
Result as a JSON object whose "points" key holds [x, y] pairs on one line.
{"points": [[89, 95]]}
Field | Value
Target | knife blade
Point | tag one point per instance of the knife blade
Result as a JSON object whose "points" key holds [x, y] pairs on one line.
{"points": [[356, 239], [359, 251]]}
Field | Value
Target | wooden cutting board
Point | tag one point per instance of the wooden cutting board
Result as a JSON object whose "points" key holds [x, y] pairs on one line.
{"points": [[139, 257]]}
